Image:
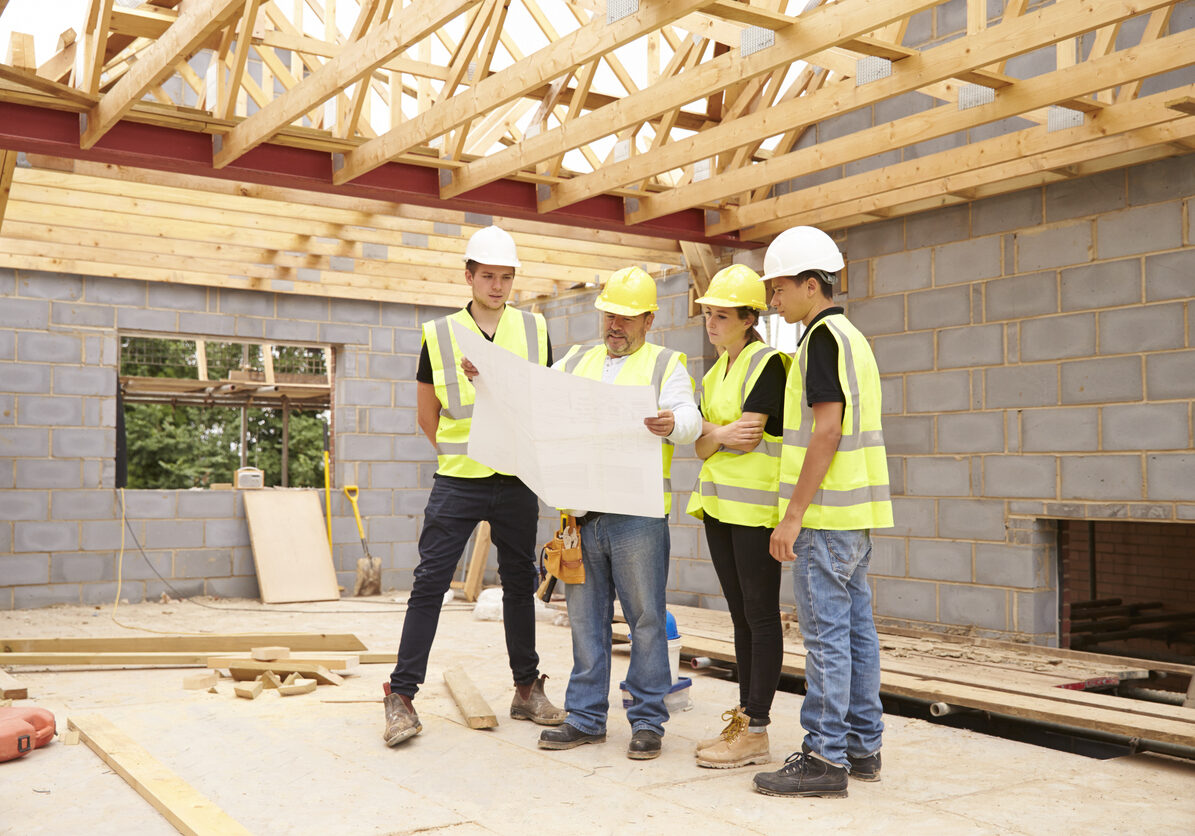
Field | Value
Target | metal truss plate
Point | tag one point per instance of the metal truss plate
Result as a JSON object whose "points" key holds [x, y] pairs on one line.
{"points": [[1060, 118], [755, 38], [871, 68], [975, 95], [618, 9]]}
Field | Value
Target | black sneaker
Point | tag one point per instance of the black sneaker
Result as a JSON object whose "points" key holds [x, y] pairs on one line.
{"points": [[645, 744], [566, 736], [803, 775], [863, 769]]}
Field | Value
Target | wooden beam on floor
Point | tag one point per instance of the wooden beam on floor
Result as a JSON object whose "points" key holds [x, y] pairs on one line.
{"points": [[12, 688], [474, 708], [213, 643], [186, 808]]}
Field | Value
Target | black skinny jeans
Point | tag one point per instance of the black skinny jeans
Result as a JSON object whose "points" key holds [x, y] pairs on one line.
{"points": [[454, 509], [750, 580]]}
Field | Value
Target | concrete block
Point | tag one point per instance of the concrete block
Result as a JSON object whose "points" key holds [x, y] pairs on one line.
{"points": [[914, 517], [140, 319], [45, 536], [32, 597], [105, 593], [206, 504], [1141, 230], [253, 328], [1053, 247], [1037, 613], [40, 473], [146, 504], [391, 421], [1021, 296], [177, 588], [1020, 476], [971, 519], [892, 395], [355, 311], [101, 535], [178, 297], [1085, 196], [24, 442], [902, 271], [940, 560], [938, 476], [1147, 328], [1004, 213], [393, 475], [914, 600], [1054, 430], [871, 163], [27, 377], [875, 239], [173, 534], [1102, 381], [309, 308], [939, 308], [24, 505], [386, 367], [1170, 375], [967, 261], [909, 435], [413, 449], [344, 334], [202, 563], [84, 505], [21, 569], [98, 381], [937, 145], [971, 432], [283, 330], [365, 392], [393, 530], [973, 605], [43, 285], [950, 17], [82, 568], [111, 291], [1169, 476], [401, 316], [926, 229], [905, 352], [53, 411], [49, 347], [1055, 337], [8, 345], [1104, 285], [1168, 179], [69, 443], [1021, 386], [246, 302], [225, 533], [209, 325], [411, 341], [879, 316], [843, 124], [360, 448], [1169, 276], [88, 316], [1106, 477], [342, 264], [24, 313], [938, 392], [381, 339], [240, 587], [971, 345]]}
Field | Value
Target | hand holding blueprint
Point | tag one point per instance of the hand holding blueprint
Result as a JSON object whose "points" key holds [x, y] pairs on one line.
{"points": [[577, 443]]}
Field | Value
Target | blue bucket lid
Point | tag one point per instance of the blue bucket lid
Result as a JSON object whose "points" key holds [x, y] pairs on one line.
{"points": [[670, 626]]}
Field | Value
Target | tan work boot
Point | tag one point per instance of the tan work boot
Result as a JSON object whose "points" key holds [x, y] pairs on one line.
{"points": [[531, 703], [733, 721], [401, 720], [740, 748]]}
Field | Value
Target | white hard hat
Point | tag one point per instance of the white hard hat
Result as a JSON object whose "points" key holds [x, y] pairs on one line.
{"points": [[492, 246], [799, 249]]}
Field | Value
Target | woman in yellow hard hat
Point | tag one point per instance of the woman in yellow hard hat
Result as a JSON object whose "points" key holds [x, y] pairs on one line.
{"points": [[742, 404]]}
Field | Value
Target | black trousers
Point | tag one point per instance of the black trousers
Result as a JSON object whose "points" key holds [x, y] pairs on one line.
{"points": [[750, 580], [454, 509]]}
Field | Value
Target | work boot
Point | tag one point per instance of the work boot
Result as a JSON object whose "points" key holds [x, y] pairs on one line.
{"points": [[738, 747], [401, 720], [803, 775], [645, 745], [567, 736], [531, 703], [862, 769], [733, 721]]}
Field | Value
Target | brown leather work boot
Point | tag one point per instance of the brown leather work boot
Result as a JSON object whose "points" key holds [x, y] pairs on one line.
{"points": [[735, 717], [741, 748], [401, 720], [531, 703]]}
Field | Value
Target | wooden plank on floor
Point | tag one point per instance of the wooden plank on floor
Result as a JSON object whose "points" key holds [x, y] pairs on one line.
{"points": [[12, 688], [186, 808], [474, 708], [290, 552], [249, 669], [206, 644]]}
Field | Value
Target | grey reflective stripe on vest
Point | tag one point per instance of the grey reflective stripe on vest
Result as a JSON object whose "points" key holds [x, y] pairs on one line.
{"points": [[532, 337], [771, 448], [752, 496], [843, 499], [460, 448], [573, 358], [657, 381], [868, 438], [452, 388], [852, 379], [756, 359], [859, 438]]}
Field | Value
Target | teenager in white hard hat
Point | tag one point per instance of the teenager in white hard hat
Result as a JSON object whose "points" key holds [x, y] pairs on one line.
{"points": [[465, 492], [833, 491], [742, 404], [623, 554]]}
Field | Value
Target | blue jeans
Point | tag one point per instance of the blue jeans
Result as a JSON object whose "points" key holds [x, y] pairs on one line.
{"points": [[628, 556], [842, 714]]}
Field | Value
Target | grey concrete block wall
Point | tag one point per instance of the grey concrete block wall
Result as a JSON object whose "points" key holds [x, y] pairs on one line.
{"points": [[1061, 384]]}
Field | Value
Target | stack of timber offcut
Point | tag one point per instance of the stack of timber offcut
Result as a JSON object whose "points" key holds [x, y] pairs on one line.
{"points": [[1038, 684]]}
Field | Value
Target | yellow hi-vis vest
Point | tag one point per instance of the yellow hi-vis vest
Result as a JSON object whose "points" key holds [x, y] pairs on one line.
{"points": [[651, 365], [854, 493], [526, 334], [733, 486]]}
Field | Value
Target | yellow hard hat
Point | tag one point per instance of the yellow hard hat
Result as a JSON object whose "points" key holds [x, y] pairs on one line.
{"points": [[735, 286], [628, 292]]}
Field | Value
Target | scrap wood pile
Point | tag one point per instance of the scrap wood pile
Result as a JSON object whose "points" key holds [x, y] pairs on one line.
{"points": [[1041, 684]]}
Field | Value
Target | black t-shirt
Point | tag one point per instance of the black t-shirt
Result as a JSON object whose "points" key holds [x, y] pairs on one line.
{"points": [[767, 396], [821, 367], [423, 374]]}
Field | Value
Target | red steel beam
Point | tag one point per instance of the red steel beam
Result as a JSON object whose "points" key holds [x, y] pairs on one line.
{"points": [[56, 133]]}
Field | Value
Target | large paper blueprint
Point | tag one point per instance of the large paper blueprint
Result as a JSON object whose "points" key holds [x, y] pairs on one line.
{"points": [[578, 443]]}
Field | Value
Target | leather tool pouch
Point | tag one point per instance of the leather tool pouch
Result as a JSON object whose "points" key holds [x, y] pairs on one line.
{"points": [[563, 553]]}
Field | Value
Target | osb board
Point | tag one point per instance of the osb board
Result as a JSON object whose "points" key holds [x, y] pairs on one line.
{"points": [[290, 547]]}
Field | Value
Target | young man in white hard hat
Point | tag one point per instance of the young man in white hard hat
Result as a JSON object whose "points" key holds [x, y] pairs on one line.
{"points": [[625, 554], [465, 492], [833, 491], [742, 406]]}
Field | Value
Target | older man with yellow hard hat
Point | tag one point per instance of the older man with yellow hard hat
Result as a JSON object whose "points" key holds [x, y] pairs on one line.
{"points": [[624, 554]]}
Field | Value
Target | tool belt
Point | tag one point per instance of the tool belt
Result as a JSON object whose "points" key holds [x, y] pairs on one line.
{"points": [[562, 554]]}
